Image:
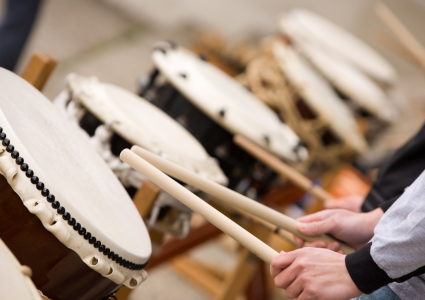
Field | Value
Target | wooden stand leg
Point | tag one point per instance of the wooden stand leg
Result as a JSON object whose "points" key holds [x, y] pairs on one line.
{"points": [[39, 69], [239, 278], [144, 199]]}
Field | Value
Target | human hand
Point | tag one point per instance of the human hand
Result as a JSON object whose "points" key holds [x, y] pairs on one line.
{"points": [[350, 202], [310, 273], [356, 229]]}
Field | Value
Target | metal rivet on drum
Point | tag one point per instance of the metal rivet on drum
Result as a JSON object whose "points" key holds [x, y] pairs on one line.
{"points": [[102, 248], [15, 154], [29, 173], [19, 160], [82, 231], [77, 226], [55, 204], [61, 210], [40, 186], [50, 198], [10, 148], [203, 57], [87, 235], [183, 75], [106, 251], [119, 260], [267, 139], [222, 113], [92, 240], [160, 49], [45, 192], [5, 142], [97, 244], [34, 179], [115, 257], [172, 44], [66, 216], [112, 255], [2, 136]]}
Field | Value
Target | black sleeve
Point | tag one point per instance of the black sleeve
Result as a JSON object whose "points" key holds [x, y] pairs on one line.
{"points": [[367, 275], [387, 204], [398, 173]]}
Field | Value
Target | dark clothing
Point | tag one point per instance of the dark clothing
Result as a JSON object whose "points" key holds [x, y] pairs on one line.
{"points": [[398, 173], [15, 29]]}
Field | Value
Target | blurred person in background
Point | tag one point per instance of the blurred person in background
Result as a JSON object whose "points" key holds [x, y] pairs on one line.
{"points": [[15, 28], [393, 178]]}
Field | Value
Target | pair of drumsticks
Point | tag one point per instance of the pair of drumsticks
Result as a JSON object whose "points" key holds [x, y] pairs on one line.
{"points": [[153, 166]]}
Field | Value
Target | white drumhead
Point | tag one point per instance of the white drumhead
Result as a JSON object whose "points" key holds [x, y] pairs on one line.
{"points": [[350, 81], [212, 91], [319, 95], [14, 285], [304, 24], [69, 167], [143, 124]]}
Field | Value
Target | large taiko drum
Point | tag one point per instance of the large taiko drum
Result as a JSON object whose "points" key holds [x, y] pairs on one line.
{"points": [[286, 81], [64, 213], [113, 119], [365, 96], [304, 25], [15, 279], [214, 107]]}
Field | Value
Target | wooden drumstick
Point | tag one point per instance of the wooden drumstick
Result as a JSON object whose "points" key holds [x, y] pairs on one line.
{"points": [[281, 168], [406, 39], [175, 189], [231, 198]]}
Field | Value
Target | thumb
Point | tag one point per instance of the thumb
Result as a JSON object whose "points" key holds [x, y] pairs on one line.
{"points": [[316, 228]]}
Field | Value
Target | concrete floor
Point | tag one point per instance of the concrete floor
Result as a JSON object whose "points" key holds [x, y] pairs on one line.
{"points": [[111, 39]]}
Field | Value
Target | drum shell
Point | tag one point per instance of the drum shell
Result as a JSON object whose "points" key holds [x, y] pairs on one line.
{"points": [[57, 270]]}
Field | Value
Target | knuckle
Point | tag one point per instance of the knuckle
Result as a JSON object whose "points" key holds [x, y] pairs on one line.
{"points": [[290, 293]]}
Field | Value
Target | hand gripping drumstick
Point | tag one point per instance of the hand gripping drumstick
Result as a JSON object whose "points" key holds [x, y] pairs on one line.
{"points": [[175, 189], [231, 198], [283, 169], [406, 39]]}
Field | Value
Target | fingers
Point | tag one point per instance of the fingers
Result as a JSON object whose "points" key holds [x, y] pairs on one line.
{"points": [[319, 216], [335, 246], [317, 227], [316, 244], [286, 277], [330, 204], [294, 289], [281, 261], [299, 241]]}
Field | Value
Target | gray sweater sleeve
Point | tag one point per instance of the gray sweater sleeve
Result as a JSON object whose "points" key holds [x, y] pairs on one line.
{"points": [[395, 253]]}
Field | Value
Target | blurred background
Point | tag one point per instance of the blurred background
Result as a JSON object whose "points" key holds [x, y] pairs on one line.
{"points": [[112, 39]]}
